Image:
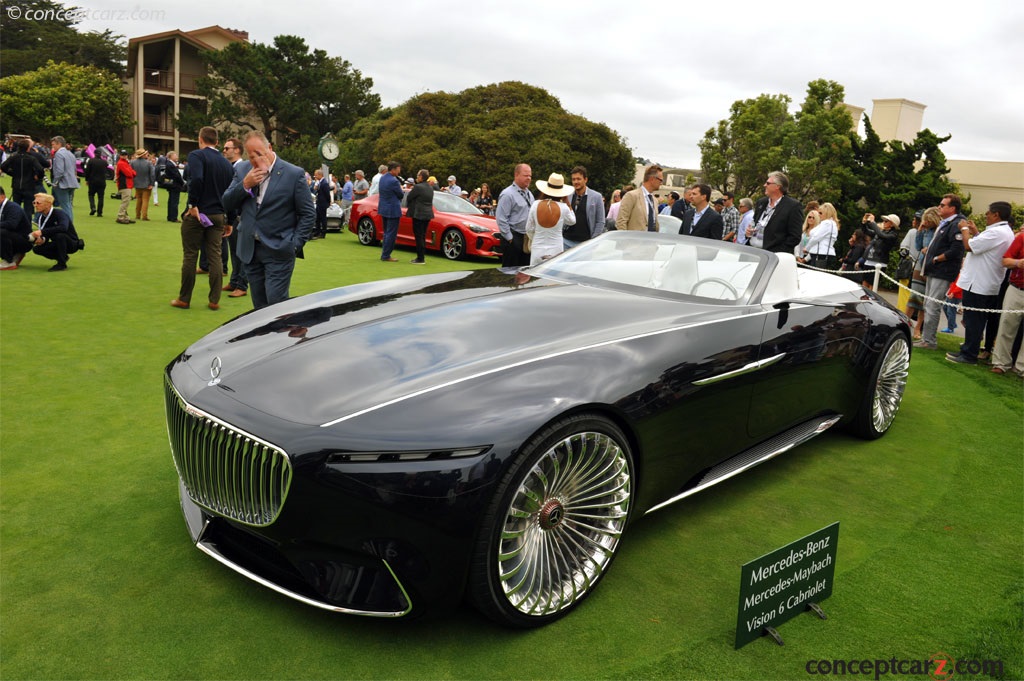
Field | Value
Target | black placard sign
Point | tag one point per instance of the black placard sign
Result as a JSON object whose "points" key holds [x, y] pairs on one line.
{"points": [[780, 585]]}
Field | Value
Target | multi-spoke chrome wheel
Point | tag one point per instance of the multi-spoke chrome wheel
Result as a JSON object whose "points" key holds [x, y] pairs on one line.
{"points": [[558, 523], [453, 244], [892, 379], [885, 391], [367, 232]]}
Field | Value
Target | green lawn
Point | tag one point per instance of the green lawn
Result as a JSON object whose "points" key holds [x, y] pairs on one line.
{"points": [[98, 579]]}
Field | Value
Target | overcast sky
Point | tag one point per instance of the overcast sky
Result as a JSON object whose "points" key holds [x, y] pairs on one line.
{"points": [[663, 74]]}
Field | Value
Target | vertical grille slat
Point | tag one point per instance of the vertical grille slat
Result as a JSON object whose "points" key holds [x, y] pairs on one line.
{"points": [[226, 470]]}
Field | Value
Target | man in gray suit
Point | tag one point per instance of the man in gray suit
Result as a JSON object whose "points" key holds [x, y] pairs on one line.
{"points": [[276, 218]]}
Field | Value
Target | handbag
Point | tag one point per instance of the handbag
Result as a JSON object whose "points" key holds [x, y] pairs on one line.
{"points": [[527, 242]]}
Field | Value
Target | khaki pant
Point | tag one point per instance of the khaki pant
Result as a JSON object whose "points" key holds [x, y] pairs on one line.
{"points": [[142, 203], [193, 234], [122, 211]]}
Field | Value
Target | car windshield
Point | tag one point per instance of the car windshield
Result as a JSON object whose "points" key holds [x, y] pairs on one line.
{"points": [[662, 265], [449, 203]]}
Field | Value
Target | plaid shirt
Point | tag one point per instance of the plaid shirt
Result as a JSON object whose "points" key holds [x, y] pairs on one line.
{"points": [[730, 219]]}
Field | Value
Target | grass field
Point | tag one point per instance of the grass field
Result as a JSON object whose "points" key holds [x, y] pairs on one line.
{"points": [[98, 579]]}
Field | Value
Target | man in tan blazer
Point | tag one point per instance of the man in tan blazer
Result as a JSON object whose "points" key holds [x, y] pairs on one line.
{"points": [[639, 211]]}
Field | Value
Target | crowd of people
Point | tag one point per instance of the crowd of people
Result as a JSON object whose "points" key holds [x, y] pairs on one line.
{"points": [[252, 218]]}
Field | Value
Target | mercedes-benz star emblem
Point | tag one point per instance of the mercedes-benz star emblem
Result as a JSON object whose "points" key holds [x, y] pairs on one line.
{"points": [[215, 371]]}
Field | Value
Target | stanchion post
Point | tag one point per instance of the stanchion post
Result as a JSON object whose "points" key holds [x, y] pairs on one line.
{"points": [[878, 272]]}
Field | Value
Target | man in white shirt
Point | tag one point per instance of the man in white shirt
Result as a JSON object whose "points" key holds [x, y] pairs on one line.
{"points": [[980, 278], [375, 182]]}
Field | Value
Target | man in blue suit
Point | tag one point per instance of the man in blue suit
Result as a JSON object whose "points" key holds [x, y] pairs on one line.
{"points": [[389, 207], [701, 219], [276, 217], [55, 236]]}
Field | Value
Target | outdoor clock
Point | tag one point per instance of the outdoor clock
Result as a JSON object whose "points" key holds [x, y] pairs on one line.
{"points": [[328, 148]]}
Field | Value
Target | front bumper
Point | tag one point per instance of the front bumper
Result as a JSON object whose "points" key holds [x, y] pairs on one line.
{"points": [[353, 585]]}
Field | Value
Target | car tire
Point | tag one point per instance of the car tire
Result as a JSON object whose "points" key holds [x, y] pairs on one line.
{"points": [[554, 524], [453, 244], [366, 232], [885, 389]]}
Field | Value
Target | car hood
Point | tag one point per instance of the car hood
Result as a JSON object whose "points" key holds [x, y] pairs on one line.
{"points": [[329, 355]]}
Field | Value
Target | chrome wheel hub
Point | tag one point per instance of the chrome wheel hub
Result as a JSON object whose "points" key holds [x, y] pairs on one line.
{"points": [[564, 523], [889, 386]]}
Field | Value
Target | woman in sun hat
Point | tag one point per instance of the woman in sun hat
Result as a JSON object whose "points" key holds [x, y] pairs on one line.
{"points": [[547, 217]]}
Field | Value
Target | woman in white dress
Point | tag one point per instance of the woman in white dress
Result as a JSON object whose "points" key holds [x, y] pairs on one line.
{"points": [[547, 217]]}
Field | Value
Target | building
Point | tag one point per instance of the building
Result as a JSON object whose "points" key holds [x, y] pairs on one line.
{"points": [[984, 181], [162, 72]]}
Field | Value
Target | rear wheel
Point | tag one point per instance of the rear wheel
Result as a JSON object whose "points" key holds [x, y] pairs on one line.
{"points": [[367, 232], [555, 523], [453, 244], [885, 391]]}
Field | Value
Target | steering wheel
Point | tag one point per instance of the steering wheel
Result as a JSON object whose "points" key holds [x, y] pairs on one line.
{"points": [[714, 280]]}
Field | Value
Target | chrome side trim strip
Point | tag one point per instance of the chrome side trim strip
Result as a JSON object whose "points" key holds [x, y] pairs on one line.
{"points": [[531, 360], [750, 368], [773, 447], [209, 550]]}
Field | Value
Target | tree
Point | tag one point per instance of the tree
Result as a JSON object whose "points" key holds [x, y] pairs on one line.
{"points": [[38, 31], [282, 88], [481, 134], [737, 153], [82, 103], [820, 145]]}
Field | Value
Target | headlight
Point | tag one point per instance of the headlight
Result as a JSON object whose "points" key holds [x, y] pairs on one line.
{"points": [[475, 228]]}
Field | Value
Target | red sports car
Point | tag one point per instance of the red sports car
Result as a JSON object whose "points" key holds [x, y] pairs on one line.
{"points": [[459, 228]]}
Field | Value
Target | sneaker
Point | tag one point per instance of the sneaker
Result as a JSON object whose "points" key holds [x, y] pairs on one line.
{"points": [[4, 265], [957, 358], [59, 267], [947, 330], [924, 345]]}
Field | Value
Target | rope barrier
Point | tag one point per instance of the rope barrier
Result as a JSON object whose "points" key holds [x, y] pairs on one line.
{"points": [[878, 272]]}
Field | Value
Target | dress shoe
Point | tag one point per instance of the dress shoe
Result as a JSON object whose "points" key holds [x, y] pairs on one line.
{"points": [[201, 271], [174, 221], [984, 355], [59, 267], [229, 287], [213, 306], [925, 346], [179, 303], [92, 212], [998, 370], [145, 219], [237, 293], [81, 244], [957, 358], [417, 261], [389, 259]]}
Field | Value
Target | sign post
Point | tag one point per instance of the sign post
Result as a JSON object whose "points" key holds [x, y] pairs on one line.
{"points": [[784, 583]]}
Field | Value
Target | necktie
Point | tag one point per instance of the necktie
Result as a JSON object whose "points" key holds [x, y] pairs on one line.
{"points": [[651, 224]]}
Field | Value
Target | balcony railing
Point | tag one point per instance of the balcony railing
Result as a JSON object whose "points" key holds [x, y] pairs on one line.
{"points": [[163, 80]]}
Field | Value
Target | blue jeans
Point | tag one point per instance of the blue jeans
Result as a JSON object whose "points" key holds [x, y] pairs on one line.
{"points": [[63, 198], [950, 309], [269, 277], [390, 234]]}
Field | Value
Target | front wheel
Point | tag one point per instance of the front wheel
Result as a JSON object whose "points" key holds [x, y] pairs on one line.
{"points": [[453, 244], [554, 524], [367, 232], [885, 390]]}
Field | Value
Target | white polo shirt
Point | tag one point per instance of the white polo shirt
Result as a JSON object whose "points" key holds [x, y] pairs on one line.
{"points": [[983, 269]]}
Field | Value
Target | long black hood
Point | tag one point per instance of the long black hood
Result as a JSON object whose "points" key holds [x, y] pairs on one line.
{"points": [[328, 355]]}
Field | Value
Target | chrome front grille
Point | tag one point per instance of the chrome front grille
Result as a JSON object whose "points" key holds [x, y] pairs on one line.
{"points": [[225, 470]]}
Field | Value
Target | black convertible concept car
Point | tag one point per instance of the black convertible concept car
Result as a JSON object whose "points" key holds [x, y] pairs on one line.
{"points": [[388, 448]]}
